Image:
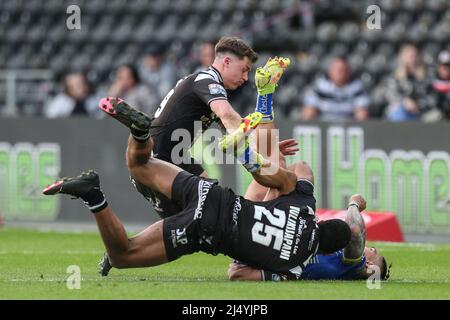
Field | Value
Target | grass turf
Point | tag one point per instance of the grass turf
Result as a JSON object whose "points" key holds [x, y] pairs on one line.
{"points": [[33, 265]]}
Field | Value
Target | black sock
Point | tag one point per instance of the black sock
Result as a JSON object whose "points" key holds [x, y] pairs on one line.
{"points": [[140, 135], [95, 200]]}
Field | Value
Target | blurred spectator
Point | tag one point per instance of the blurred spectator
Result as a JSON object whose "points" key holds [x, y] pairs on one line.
{"points": [[156, 71], [441, 84], [75, 100], [336, 97], [409, 91], [205, 57], [128, 86]]}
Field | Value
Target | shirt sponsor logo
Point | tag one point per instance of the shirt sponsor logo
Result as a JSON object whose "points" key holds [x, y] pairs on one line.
{"points": [[236, 209], [290, 233], [215, 88], [312, 239], [179, 237], [264, 102], [203, 189]]}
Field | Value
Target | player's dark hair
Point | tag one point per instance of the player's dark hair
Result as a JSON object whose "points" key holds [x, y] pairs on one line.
{"points": [[334, 235], [237, 47]]}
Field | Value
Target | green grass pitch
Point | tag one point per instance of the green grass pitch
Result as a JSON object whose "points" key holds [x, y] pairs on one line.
{"points": [[33, 265]]}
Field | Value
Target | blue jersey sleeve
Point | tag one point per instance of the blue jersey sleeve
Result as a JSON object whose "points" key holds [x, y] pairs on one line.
{"points": [[332, 267]]}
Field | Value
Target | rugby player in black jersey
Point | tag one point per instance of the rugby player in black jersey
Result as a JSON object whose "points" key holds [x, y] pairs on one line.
{"points": [[198, 99], [355, 262], [279, 235]]}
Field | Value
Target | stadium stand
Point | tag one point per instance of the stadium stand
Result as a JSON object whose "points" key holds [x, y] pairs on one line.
{"points": [[33, 36]]}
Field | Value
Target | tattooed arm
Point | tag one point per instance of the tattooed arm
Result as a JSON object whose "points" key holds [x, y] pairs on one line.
{"points": [[355, 249]]}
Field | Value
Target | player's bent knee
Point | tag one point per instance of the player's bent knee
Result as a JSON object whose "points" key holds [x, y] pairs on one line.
{"points": [[123, 261], [117, 261], [137, 157], [136, 171], [134, 160]]}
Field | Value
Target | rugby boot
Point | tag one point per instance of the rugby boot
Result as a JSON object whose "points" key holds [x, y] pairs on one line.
{"points": [[104, 266], [85, 186], [75, 186], [126, 114]]}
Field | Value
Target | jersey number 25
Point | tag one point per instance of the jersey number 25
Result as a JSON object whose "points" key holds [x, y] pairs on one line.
{"points": [[264, 233]]}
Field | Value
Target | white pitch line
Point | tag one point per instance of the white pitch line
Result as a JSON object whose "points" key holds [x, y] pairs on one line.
{"points": [[420, 281], [33, 252], [113, 280]]}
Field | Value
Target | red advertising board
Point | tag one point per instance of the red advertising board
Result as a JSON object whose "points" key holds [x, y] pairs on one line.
{"points": [[380, 226]]}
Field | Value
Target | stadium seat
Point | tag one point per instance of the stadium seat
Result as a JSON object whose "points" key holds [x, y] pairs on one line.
{"points": [[441, 31], [326, 32], [286, 97], [379, 102], [225, 6], [348, 32], [395, 33], [376, 64], [203, 6], [430, 52], [387, 5], [412, 6], [436, 5]]}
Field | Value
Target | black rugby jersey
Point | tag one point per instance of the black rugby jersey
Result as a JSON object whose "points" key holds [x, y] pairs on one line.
{"points": [[188, 102], [279, 235]]}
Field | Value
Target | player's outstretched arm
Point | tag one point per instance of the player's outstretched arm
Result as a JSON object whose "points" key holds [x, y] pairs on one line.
{"points": [[265, 172], [282, 179], [229, 117], [355, 249], [266, 81], [257, 192], [241, 272]]}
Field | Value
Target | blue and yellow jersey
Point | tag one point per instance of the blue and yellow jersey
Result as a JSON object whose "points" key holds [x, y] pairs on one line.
{"points": [[333, 267]]}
